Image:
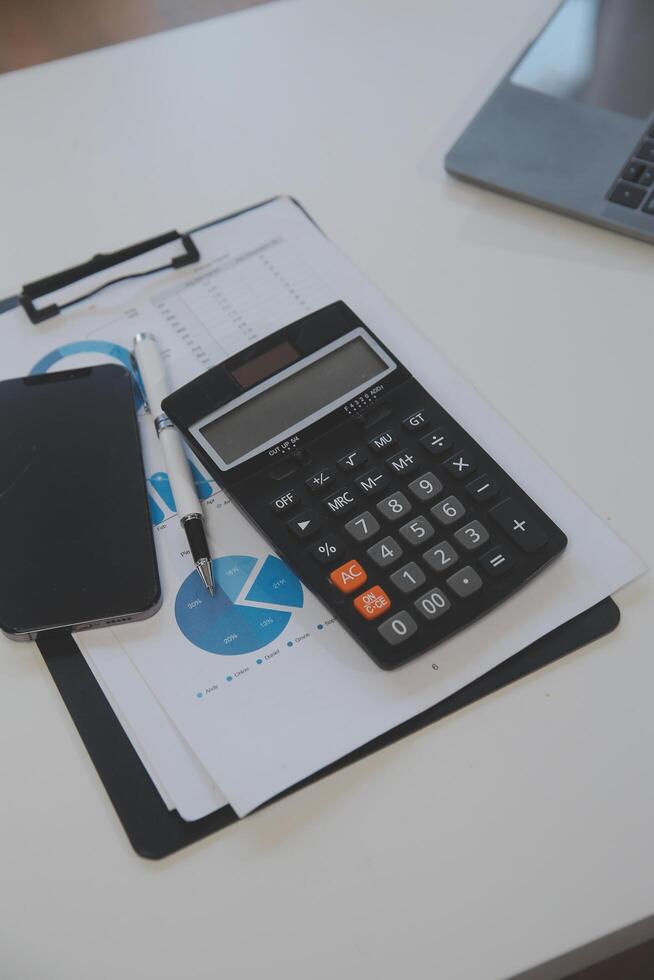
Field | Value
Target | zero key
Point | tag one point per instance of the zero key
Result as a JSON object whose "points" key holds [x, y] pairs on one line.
{"points": [[519, 525]]}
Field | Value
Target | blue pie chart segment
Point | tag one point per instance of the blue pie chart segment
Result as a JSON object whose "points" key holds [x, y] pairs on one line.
{"points": [[217, 625], [276, 583]]}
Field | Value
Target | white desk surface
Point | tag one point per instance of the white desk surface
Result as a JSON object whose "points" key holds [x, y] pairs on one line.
{"points": [[512, 832]]}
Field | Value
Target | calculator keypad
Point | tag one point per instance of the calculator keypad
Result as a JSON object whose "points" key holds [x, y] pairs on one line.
{"points": [[432, 604], [418, 531], [327, 549], [394, 507], [461, 465], [441, 557], [409, 577], [384, 441], [426, 487], [306, 524], [437, 442], [373, 482], [320, 480], [404, 462], [398, 628], [448, 511], [472, 536], [340, 502], [352, 461], [418, 527], [385, 552], [363, 526], [372, 603], [464, 582]]}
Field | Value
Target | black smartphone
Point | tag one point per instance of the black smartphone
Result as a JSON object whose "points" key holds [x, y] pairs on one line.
{"points": [[76, 542]]}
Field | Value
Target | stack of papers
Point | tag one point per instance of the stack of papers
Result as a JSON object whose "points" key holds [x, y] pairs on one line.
{"points": [[217, 719]]}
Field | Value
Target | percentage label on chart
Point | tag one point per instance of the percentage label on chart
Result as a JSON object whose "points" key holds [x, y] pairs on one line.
{"points": [[327, 549]]}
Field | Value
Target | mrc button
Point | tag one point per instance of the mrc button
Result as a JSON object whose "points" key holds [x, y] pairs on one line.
{"points": [[340, 502], [285, 502]]}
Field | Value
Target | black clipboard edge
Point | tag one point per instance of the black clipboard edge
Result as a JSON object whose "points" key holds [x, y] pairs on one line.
{"points": [[155, 832]]}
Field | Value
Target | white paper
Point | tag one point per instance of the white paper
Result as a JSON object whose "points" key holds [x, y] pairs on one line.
{"points": [[182, 782], [259, 721]]}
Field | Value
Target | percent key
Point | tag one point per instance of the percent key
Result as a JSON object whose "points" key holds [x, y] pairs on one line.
{"points": [[327, 549]]}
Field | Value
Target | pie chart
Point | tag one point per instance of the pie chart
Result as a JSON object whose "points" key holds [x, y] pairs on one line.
{"points": [[222, 624]]}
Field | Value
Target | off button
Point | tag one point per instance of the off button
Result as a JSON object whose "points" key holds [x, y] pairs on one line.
{"points": [[285, 502]]}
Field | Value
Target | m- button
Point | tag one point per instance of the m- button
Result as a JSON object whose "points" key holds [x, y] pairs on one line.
{"points": [[285, 502]]}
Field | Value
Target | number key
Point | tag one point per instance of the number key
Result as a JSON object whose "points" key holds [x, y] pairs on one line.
{"points": [[472, 536], [394, 507], [417, 531], [362, 527], [397, 629], [441, 557], [426, 487], [432, 604], [449, 510], [385, 552], [409, 577]]}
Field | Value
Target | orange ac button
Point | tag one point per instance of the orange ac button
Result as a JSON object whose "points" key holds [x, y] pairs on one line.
{"points": [[372, 603], [349, 577]]}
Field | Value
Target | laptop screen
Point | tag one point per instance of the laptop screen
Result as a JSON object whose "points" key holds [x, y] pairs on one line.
{"points": [[598, 52]]}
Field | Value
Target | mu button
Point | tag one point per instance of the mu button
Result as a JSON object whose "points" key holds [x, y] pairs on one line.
{"points": [[349, 577]]}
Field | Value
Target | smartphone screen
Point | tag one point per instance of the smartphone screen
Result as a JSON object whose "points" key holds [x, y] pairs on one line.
{"points": [[75, 530]]}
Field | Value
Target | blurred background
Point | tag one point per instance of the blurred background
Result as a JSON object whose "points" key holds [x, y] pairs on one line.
{"points": [[33, 31]]}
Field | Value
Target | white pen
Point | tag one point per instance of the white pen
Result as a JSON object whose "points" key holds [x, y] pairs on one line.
{"points": [[189, 510]]}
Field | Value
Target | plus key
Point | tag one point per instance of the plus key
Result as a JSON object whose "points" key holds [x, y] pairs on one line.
{"points": [[519, 525]]}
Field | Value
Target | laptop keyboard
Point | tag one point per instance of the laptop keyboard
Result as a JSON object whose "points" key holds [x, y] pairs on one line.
{"points": [[634, 187]]}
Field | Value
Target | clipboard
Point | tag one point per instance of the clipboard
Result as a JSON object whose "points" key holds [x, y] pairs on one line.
{"points": [[154, 831]]}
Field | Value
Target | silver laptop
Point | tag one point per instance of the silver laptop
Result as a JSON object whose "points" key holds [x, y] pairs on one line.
{"points": [[571, 126]]}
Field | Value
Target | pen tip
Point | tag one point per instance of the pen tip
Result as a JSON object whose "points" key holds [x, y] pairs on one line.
{"points": [[206, 574]]}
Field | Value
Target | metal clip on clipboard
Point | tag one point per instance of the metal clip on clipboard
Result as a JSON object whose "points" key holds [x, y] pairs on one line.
{"points": [[99, 263]]}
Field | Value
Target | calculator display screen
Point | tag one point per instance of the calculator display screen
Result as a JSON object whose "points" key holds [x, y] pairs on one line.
{"points": [[298, 396]]}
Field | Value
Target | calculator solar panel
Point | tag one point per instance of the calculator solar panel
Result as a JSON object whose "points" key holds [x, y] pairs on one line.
{"points": [[404, 526]]}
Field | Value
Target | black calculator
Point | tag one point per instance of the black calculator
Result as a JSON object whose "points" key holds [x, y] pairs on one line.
{"points": [[384, 506]]}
